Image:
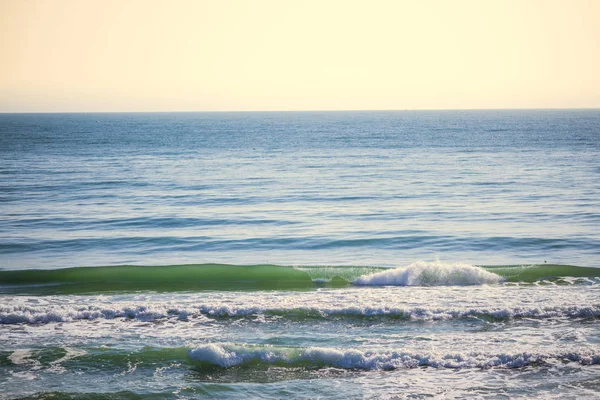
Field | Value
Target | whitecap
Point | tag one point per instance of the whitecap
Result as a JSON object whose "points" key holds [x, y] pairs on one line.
{"points": [[430, 274]]}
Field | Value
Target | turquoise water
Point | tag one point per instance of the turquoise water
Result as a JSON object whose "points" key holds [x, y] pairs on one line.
{"points": [[340, 255]]}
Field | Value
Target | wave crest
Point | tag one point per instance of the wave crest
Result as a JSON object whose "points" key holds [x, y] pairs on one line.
{"points": [[201, 277], [229, 355], [430, 274], [27, 314]]}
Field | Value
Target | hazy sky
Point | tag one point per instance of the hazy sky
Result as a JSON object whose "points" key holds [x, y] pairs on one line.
{"points": [[147, 55]]}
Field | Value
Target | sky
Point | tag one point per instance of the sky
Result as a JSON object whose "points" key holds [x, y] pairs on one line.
{"points": [[233, 55]]}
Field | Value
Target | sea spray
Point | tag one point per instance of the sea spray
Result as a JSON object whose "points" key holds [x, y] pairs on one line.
{"points": [[430, 274]]}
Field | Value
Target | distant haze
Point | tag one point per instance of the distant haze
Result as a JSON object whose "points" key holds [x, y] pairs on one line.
{"points": [[147, 55]]}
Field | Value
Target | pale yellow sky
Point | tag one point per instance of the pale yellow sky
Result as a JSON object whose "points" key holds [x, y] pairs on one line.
{"points": [[149, 55]]}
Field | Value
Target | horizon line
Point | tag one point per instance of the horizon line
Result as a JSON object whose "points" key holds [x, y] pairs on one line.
{"points": [[301, 110]]}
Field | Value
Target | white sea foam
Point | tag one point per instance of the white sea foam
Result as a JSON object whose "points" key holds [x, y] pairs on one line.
{"points": [[20, 314], [16, 314], [229, 355], [430, 274]]}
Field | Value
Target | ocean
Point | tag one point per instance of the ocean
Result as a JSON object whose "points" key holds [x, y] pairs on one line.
{"points": [[358, 254]]}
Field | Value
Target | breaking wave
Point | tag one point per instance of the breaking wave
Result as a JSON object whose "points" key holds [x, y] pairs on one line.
{"points": [[128, 278], [230, 355], [28, 314], [430, 274]]}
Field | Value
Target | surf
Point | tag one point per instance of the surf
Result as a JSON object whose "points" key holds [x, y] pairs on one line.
{"points": [[19, 311], [227, 277], [232, 355]]}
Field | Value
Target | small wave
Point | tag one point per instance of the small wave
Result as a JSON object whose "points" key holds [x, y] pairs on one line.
{"points": [[539, 272], [430, 274], [20, 314], [27, 314], [231, 355], [171, 278]]}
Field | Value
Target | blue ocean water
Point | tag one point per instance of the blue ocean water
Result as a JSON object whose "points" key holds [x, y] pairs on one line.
{"points": [[307, 254], [357, 188]]}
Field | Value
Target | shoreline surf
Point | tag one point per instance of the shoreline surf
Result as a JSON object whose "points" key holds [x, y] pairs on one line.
{"points": [[200, 277]]}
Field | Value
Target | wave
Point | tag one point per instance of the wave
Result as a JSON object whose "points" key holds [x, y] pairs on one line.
{"points": [[127, 278], [430, 274], [158, 278], [230, 355], [537, 272], [28, 314]]}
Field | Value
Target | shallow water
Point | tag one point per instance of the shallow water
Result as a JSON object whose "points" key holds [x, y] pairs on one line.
{"points": [[306, 255]]}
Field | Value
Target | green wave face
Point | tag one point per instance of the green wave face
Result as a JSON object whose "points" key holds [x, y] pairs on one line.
{"points": [[537, 272], [172, 278], [198, 277], [219, 356]]}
